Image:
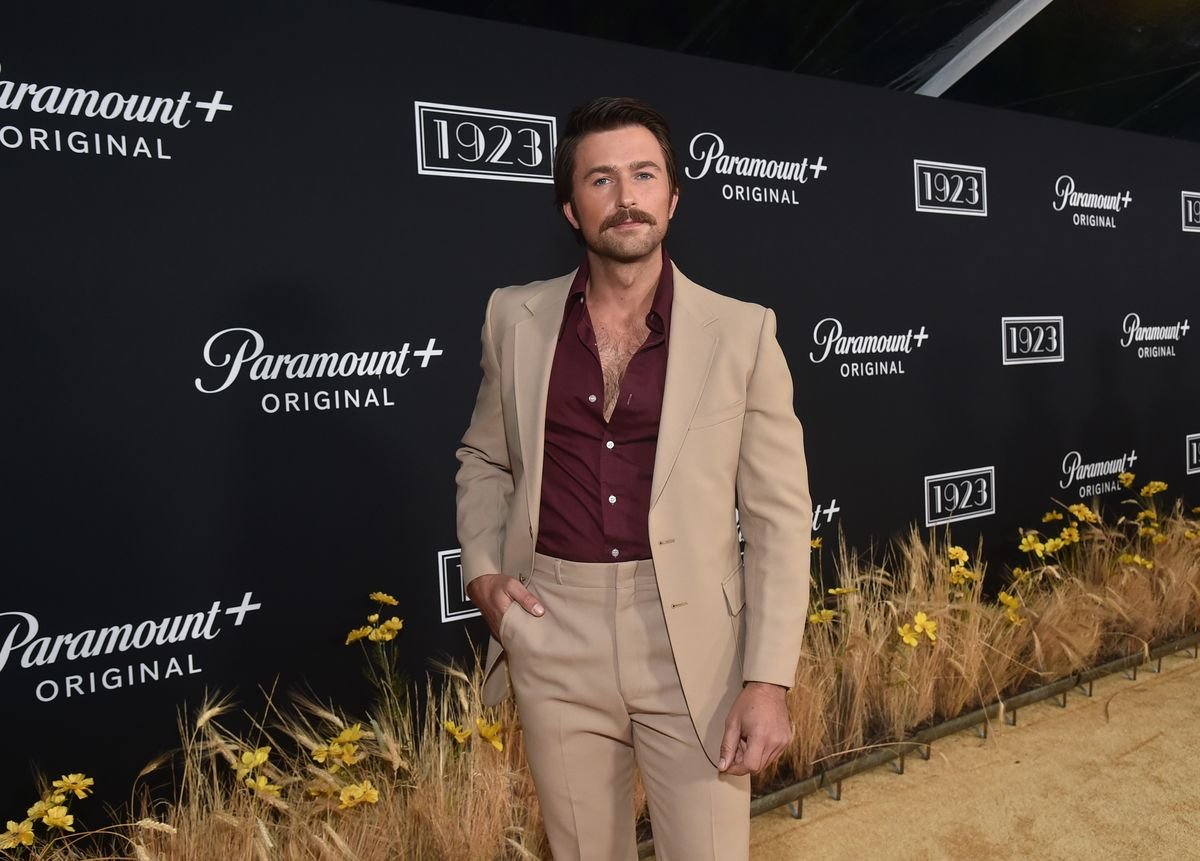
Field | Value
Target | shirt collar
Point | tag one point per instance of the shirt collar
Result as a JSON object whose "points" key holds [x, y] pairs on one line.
{"points": [[659, 317]]}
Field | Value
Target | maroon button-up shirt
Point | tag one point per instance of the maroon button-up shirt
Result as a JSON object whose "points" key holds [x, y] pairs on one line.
{"points": [[596, 475]]}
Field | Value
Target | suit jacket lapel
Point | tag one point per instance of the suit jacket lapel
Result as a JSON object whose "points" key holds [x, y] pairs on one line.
{"points": [[536, 337], [689, 355]]}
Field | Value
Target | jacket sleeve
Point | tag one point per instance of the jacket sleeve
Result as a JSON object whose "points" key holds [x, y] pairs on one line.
{"points": [[775, 513], [484, 478]]}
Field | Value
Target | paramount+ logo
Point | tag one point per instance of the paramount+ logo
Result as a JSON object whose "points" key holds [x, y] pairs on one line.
{"points": [[131, 653], [1153, 340], [152, 119], [1093, 478], [752, 178], [240, 353], [874, 355]]}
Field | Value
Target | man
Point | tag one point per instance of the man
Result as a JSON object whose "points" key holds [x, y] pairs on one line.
{"points": [[624, 413]]}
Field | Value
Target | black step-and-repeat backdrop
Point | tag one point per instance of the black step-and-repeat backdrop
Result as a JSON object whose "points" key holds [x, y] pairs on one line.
{"points": [[246, 251]]}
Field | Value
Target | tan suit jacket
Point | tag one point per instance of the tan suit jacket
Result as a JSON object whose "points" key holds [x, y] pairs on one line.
{"points": [[728, 435]]}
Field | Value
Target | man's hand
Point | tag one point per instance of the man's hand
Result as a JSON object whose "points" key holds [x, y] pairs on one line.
{"points": [[492, 593], [756, 730]]}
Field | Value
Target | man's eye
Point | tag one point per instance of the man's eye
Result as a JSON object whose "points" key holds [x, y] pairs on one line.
{"points": [[601, 180], [645, 175]]}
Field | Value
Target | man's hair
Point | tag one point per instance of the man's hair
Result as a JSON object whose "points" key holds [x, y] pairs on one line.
{"points": [[605, 114]]}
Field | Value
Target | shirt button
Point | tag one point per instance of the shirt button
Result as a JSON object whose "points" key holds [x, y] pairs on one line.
{"points": [[612, 499], [609, 444], [592, 399], [616, 552]]}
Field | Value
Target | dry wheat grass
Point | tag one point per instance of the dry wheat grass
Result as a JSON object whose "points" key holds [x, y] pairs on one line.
{"points": [[859, 684]]}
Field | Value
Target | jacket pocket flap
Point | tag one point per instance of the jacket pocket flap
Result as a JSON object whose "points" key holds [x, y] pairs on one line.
{"points": [[735, 590], [713, 417]]}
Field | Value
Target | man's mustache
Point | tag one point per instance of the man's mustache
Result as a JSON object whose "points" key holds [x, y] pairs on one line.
{"points": [[626, 215]]}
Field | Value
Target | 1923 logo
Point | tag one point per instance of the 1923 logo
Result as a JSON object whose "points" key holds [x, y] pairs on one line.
{"points": [[1191, 211], [960, 495], [954, 189], [1032, 339], [1193, 453], [481, 143], [455, 603]]}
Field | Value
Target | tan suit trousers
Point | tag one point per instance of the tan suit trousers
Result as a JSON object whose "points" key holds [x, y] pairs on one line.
{"points": [[596, 685]]}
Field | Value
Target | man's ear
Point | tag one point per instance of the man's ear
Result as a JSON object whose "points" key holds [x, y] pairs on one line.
{"points": [[568, 212], [674, 203]]}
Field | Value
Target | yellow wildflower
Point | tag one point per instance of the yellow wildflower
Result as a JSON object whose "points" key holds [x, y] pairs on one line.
{"points": [[57, 817], [358, 634], [1126, 479], [1052, 515], [821, 616], [1053, 545], [1082, 512], [1135, 559], [1190, 534], [842, 590], [1147, 530], [1152, 488], [332, 754], [907, 635], [1031, 544], [1019, 574], [358, 793], [923, 624], [1196, 509], [460, 733], [1148, 514], [50, 799], [816, 543], [321, 753], [262, 786], [373, 618], [1011, 603], [1159, 539], [387, 631], [958, 554], [76, 783], [251, 761], [1069, 535], [490, 732], [383, 598], [344, 754], [350, 734], [18, 834], [960, 574]]}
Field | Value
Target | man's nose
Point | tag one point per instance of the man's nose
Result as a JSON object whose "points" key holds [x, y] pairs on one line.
{"points": [[626, 199]]}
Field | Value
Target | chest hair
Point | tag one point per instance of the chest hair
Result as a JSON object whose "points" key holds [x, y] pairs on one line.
{"points": [[616, 345]]}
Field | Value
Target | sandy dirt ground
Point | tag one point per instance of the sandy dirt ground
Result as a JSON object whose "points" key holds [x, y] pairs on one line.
{"points": [[1113, 776]]}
